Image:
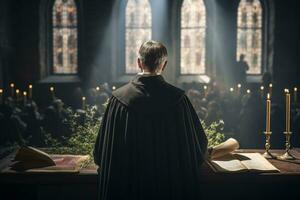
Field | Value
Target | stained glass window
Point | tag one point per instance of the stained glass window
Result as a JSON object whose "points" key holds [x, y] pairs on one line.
{"points": [[249, 34], [138, 30], [193, 30], [64, 18]]}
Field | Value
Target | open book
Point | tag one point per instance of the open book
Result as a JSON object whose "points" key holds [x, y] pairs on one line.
{"points": [[230, 162], [30, 159]]}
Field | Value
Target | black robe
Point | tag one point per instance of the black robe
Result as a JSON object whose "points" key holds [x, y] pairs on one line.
{"points": [[151, 143]]}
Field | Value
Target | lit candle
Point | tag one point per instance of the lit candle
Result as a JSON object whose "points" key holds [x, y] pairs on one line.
{"points": [[12, 88], [98, 88], [17, 94], [205, 90], [1, 96], [113, 87], [295, 95], [270, 89], [287, 112], [239, 88], [52, 92], [262, 91], [30, 91], [248, 91], [25, 97], [268, 114], [231, 89], [83, 103]]}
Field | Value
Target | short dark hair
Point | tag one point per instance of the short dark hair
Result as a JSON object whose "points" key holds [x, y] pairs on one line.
{"points": [[152, 54]]}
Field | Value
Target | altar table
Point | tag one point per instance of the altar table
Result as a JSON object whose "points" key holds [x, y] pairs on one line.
{"points": [[83, 185]]}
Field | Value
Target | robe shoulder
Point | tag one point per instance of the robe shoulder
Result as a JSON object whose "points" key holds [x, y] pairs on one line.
{"points": [[155, 95]]}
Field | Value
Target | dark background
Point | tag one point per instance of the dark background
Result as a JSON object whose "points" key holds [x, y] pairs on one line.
{"points": [[20, 36]]}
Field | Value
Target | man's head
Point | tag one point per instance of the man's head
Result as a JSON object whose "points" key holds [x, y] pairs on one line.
{"points": [[152, 57]]}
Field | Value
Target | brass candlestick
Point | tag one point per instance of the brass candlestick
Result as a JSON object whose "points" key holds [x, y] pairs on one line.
{"points": [[267, 153], [287, 155]]}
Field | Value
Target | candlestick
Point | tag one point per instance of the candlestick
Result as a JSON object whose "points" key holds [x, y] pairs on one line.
{"points": [[287, 112], [268, 132], [270, 89], [25, 98], [12, 88], [1, 96], [239, 88], [268, 114], [83, 103], [205, 90], [17, 94], [262, 91], [52, 92], [30, 91], [295, 95]]}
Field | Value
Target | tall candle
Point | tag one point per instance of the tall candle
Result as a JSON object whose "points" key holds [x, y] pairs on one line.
{"points": [[12, 89], [52, 92], [205, 90], [1, 96], [17, 94], [270, 89], [295, 95], [239, 88], [83, 103], [25, 98], [268, 114], [30, 91], [287, 112], [262, 91]]}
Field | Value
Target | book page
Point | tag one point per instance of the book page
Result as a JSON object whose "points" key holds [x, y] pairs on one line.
{"points": [[228, 163], [255, 162]]}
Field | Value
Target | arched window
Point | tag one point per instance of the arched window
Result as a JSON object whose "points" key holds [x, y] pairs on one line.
{"points": [[137, 30], [64, 20], [249, 34], [193, 32]]}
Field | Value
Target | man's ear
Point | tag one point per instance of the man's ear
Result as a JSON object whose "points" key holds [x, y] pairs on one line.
{"points": [[140, 64], [165, 65]]}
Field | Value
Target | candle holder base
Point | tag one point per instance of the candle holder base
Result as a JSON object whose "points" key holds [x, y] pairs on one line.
{"points": [[286, 156], [268, 155]]}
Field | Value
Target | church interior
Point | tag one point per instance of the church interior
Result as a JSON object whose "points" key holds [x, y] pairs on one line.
{"points": [[61, 60]]}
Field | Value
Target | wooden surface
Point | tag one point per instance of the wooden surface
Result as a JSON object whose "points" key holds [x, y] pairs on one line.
{"points": [[289, 170], [215, 186]]}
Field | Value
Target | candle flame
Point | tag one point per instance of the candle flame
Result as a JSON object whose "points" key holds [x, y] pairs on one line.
{"points": [[97, 88], [113, 87], [24, 93], [1, 91], [286, 90], [239, 85], [51, 89], [12, 85], [30, 86], [262, 87], [248, 91], [205, 87], [231, 89], [295, 89], [270, 85], [17, 91], [83, 98]]}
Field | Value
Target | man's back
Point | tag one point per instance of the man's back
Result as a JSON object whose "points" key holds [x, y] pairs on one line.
{"points": [[150, 144]]}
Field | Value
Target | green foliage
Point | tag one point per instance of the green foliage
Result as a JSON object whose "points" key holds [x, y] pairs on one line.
{"points": [[213, 132], [85, 127]]}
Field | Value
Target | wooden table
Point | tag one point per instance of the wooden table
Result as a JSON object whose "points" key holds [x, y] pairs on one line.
{"points": [[214, 185]]}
